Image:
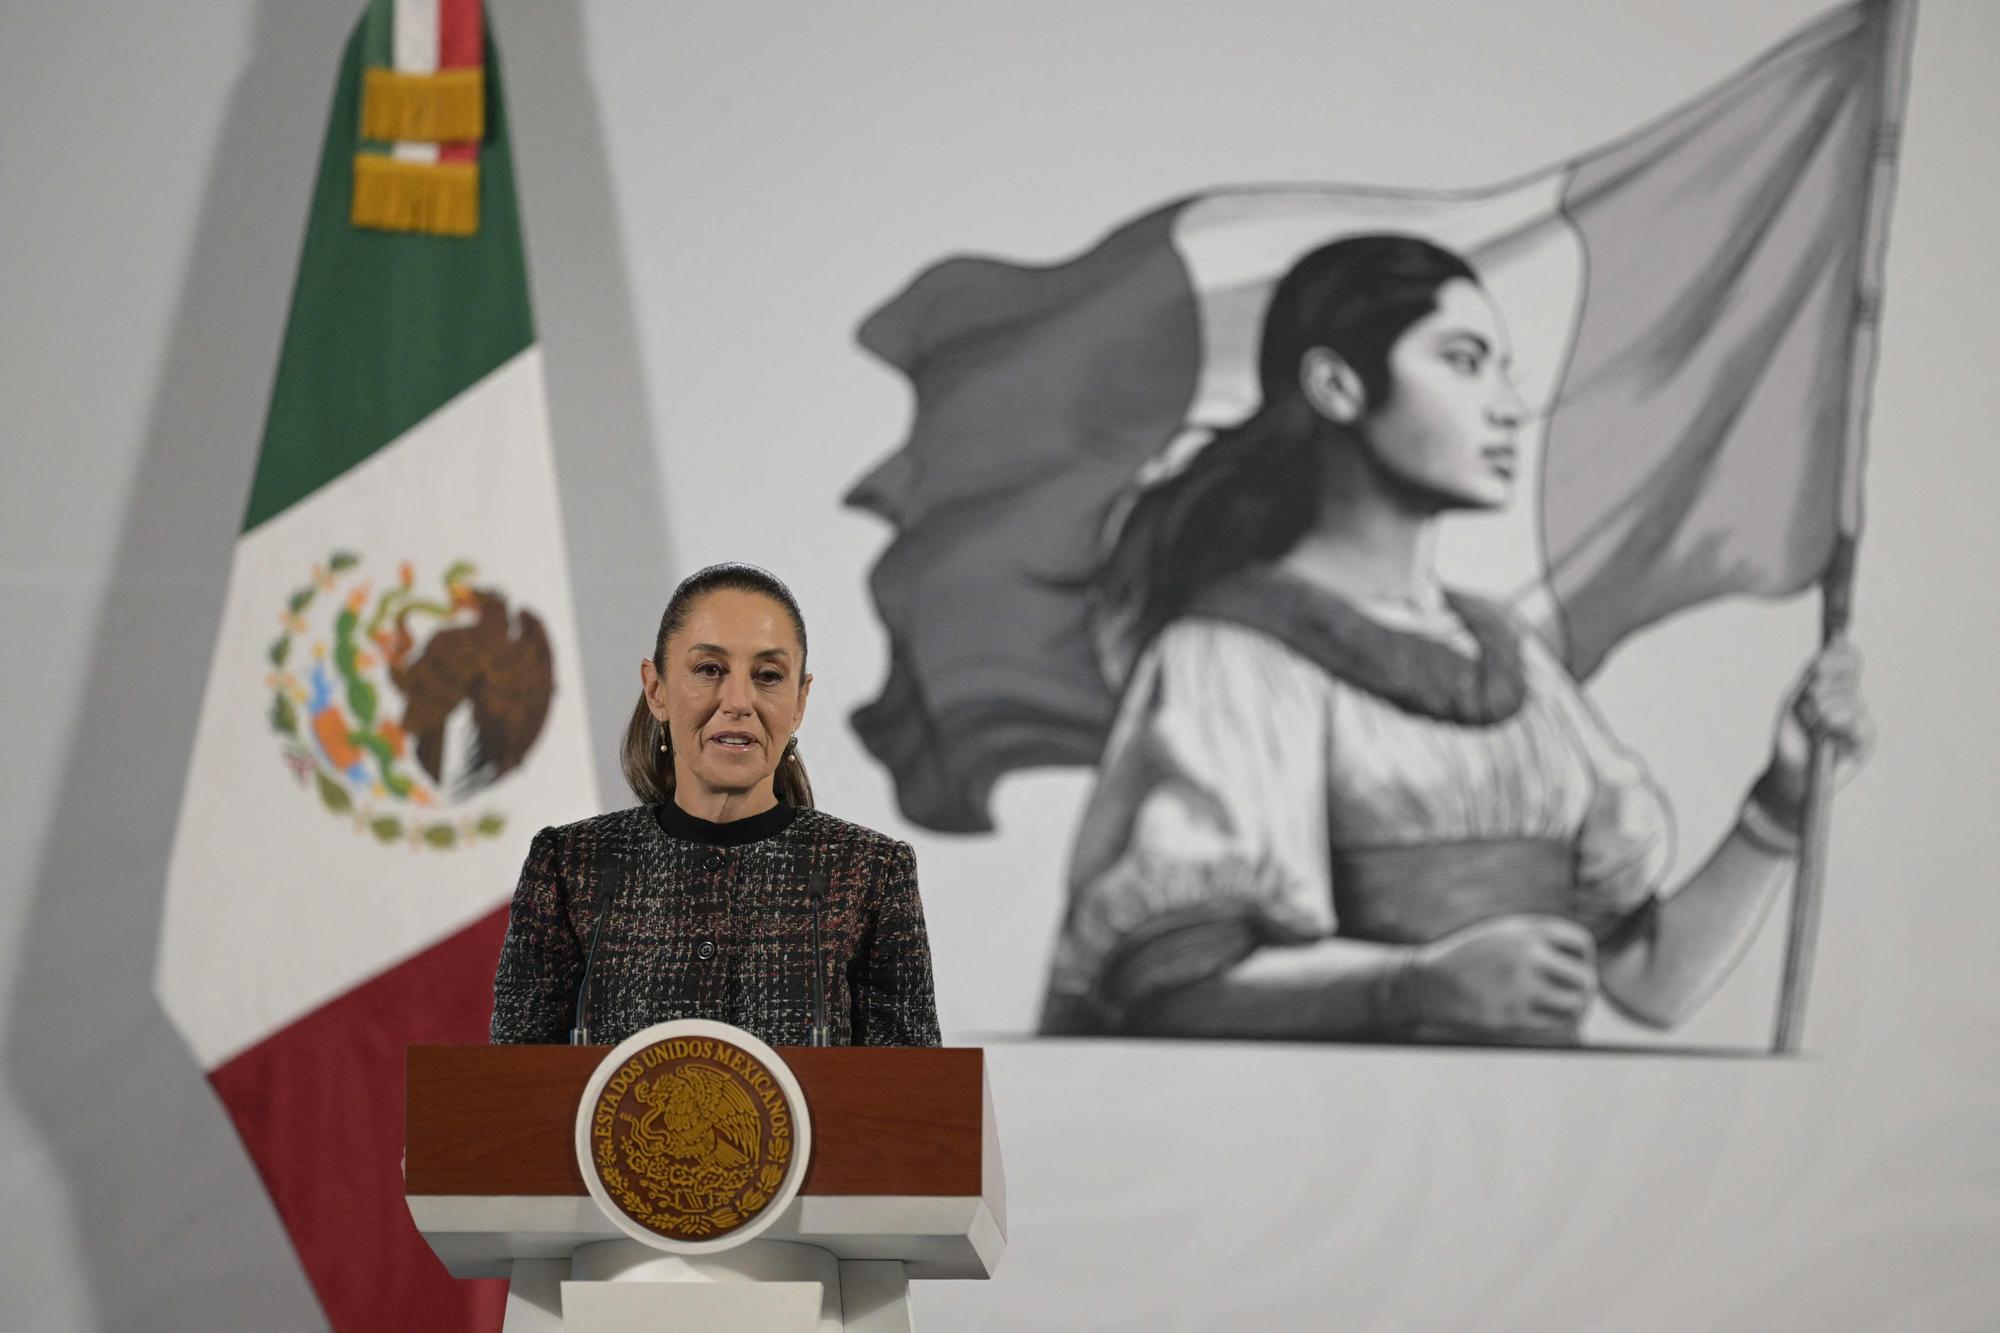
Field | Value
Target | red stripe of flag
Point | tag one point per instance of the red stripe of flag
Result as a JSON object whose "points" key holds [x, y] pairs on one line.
{"points": [[319, 1106], [461, 45], [461, 42]]}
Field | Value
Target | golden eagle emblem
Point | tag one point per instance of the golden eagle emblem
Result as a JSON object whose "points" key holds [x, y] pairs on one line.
{"points": [[398, 702], [692, 1137], [698, 1135]]}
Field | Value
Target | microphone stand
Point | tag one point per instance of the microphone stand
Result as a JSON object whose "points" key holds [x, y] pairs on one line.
{"points": [[579, 1032], [816, 892]]}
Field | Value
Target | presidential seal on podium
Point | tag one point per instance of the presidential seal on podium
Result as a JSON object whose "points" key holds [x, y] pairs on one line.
{"points": [[692, 1136]]}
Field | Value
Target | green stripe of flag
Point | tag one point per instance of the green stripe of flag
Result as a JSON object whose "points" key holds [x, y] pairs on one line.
{"points": [[377, 36], [387, 327]]}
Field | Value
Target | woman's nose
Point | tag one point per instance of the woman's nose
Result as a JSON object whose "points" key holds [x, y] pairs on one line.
{"points": [[1507, 407], [736, 693]]}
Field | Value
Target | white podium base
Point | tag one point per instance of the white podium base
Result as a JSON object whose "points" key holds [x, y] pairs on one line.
{"points": [[763, 1286]]}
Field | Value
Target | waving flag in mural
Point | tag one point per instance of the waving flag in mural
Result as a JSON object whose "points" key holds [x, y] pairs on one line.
{"points": [[392, 707], [1685, 315], [1682, 303]]}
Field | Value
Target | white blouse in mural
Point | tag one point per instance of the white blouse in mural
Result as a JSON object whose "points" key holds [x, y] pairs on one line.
{"points": [[1240, 774]]}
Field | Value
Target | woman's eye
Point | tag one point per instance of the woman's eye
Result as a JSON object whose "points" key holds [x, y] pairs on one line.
{"points": [[1465, 363], [708, 669], [770, 677]]}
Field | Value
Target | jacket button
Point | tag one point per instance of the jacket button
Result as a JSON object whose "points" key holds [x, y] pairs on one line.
{"points": [[713, 861], [705, 950]]}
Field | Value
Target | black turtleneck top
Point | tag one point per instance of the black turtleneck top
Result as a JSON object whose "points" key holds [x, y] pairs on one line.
{"points": [[678, 823]]}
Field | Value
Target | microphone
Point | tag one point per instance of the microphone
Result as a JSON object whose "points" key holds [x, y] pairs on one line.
{"points": [[816, 892], [579, 1033]]}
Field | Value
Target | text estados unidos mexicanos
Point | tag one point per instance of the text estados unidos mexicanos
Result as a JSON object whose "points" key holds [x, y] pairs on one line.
{"points": [[692, 1048]]}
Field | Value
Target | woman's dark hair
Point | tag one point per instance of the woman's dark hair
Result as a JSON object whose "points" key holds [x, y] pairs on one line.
{"points": [[1253, 490], [646, 756]]}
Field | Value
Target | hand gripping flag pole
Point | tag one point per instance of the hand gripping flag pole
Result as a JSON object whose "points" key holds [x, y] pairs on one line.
{"points": [[1898, 19]]}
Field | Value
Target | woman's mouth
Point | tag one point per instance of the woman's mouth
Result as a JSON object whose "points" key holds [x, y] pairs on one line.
{"points": [[733, 740], [1502, 458]]}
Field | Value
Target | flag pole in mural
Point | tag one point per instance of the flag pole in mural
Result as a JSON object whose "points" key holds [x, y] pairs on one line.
{"points": [[392, 708], [1682, 304], [1837, 586]]}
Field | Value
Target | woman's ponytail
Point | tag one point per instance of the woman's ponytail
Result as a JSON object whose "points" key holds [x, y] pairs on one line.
{"points": [[647, 757], [792, 785]]}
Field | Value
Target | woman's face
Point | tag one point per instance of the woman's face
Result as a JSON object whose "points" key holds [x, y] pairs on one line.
{"points": [[1448, 428], [730, 692]]}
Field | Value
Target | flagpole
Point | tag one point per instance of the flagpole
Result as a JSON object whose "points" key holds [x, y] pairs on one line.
{"points": [[1898, 20]]}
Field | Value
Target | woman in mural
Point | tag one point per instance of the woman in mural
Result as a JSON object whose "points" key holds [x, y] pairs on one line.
{"points": [[1343, 801]]}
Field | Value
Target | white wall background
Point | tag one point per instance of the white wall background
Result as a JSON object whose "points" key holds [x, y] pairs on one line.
{"points": [[714, 195]]}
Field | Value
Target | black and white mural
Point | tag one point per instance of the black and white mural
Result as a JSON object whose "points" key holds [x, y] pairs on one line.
{"points": [[1343, 534], [1177, 509]]}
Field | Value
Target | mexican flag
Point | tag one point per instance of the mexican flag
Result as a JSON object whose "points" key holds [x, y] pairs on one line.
{"points": [[1689, 305], [393, 708]]}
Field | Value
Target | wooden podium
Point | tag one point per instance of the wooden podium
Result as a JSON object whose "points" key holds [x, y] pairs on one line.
{"points": [[903, 1181]]}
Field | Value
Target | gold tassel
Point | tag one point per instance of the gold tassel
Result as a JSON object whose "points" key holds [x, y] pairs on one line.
{"points": [[437, 198], [446, 107]]}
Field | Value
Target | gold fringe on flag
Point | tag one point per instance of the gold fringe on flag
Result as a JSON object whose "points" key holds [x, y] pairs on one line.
{"points": [[437, 198], [446, 107]]}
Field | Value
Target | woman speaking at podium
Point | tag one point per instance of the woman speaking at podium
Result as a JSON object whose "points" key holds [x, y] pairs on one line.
{"points": [[705, 900]]}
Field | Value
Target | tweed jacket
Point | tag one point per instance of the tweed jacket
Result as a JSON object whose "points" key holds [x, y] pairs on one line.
{"points": [[713, 921]]}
